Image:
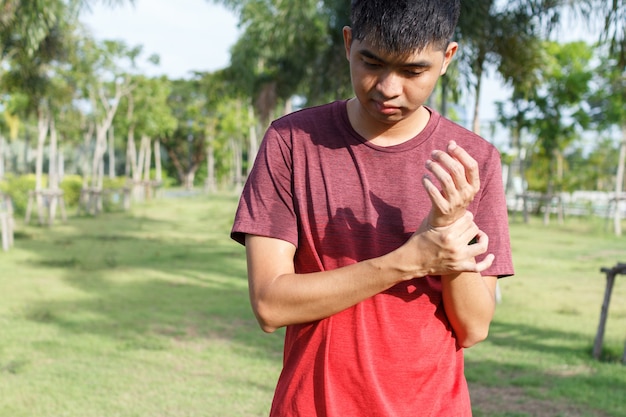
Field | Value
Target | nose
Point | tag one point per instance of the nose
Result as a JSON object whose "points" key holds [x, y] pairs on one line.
{"points": [[389, 85]]}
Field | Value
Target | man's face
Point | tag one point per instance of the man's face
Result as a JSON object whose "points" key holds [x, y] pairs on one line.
{"points": [[391, 88]]}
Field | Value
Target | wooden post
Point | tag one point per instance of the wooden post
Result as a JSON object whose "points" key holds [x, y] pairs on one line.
{"points": [[610, 280], [611, 273]]}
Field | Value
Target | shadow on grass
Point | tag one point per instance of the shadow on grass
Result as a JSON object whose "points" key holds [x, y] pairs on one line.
{"points": [[147, 282], [548, 371], [150, 282]]}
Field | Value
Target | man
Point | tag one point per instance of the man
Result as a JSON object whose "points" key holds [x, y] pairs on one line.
{"points": [[356, 220]]}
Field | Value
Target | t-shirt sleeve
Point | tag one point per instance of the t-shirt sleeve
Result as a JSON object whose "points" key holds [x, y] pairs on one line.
{"points": [[491, 216], [266, 205]]}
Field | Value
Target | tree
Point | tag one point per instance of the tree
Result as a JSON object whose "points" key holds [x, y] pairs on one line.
{"points": [[185, 144], [608, 110], [145, 114], [34, 46], [27, 26], [609, 19], [558, 111], [36, 73], [104, 72], [226, 126], [506, 37], [271, 61]]}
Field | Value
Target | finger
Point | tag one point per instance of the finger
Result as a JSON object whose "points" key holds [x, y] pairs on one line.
{"points": [[469, 163], [451, 164], [478, 241], [485, 263], [451, 173], [444, 171], [436, 197]]}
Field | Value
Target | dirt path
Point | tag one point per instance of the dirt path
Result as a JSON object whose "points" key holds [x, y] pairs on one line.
{"points": [[488, 401]]}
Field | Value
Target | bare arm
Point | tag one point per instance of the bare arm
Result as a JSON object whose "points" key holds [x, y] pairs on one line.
{"points": [[469, 302], [469, 298], [280, 297]]}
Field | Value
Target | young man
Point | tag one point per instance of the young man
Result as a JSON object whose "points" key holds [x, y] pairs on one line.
{"points": [[356, 220]]}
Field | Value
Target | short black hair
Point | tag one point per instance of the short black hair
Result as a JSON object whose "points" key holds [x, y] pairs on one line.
{"points": [[404, 26]]}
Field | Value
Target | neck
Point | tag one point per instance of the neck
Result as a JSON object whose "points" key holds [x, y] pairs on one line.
{"points": [[386, 134]]}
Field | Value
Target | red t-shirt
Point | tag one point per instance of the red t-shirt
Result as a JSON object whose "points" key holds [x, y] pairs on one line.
{"points": [[318, 184]]}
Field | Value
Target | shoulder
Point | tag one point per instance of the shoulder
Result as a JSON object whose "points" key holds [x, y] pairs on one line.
{"points": [[325, 125], [309, 116]]}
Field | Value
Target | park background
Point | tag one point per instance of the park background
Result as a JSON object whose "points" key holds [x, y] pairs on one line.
{"points": [[121, 292]]}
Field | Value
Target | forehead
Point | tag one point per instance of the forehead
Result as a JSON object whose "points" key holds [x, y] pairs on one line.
{"points": [[427, 54]]}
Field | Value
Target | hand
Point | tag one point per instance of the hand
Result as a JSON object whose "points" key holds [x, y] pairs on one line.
{"points": [[445, 249], [458, 175]]}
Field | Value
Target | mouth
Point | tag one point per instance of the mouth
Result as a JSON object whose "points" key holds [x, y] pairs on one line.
{"points": [[386, 108]]}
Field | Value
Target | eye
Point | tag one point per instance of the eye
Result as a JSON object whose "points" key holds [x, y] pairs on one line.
{"points": [[411, 72], [369, 63]]}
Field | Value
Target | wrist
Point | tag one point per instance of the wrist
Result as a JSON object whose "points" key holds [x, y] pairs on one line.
{"points": [[406, 262]]}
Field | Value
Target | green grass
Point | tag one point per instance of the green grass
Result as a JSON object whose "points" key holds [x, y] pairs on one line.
{"points": [[543, 333], [146, 313], [133, 314]]}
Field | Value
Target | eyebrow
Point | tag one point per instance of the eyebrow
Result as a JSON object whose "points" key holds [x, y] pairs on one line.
{"points": [[419, 64]]}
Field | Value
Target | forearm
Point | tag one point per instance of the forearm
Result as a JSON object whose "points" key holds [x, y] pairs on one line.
{"points": [[301, 298], [469, 302], [281, 297]]}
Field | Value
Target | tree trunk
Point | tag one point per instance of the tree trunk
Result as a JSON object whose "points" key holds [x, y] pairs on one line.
{"points": [[110, 105], [550, 190], [53, 178], [61, 167], [180, 172], [478, 73], [111, 153], [43, 125], [131, 150], [137, 172], [254, 142], [145, 144], [97, 164], [84, 155], [26, 153], [237, 173], [2, 152], [211, 181], [189, 179], [476, 117], [619, 184], [443, 108], [131, 154], [158, 174]]}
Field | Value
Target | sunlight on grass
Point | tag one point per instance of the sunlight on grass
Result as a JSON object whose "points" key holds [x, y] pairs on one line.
{"points": [[146, 313]]}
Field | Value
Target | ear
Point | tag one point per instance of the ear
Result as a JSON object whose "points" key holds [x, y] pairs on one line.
{"points": [[449, 54], [347, 40]]}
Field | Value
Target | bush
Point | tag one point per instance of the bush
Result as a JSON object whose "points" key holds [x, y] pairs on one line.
{"points": [[71, 186], [166, 180], [17, 187], [110, 183]]}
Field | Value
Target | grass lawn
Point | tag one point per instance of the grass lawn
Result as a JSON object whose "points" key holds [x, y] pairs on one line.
{"points": [[145, 313]]}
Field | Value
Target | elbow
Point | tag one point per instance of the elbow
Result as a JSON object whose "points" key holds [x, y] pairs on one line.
{"points": [[266, 327], [265, 318], [472, 337]]}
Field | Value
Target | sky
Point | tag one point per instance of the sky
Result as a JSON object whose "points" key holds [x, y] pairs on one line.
{"points": [[188, 35]]}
